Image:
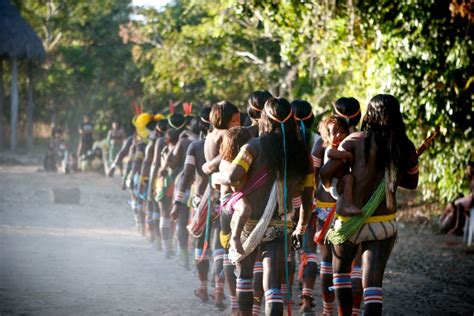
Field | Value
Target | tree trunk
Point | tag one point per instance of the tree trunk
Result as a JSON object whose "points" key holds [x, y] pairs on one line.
{"points": [[14, 105], [30, 106], [2, 99]]}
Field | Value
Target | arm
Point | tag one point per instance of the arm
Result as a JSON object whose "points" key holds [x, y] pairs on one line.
{"points": [[307, 204], [212, 166], [136, 166], [155, 165], [409, 178], [331, 167], [317, 154], [239, 166], [184, 183], [145, 169], [339, 154]]}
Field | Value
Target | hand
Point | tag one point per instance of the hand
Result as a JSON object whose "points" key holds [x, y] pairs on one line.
{"points": [[206, 169], [297, 241], [175, 212], [236, 243], [162, 172]]}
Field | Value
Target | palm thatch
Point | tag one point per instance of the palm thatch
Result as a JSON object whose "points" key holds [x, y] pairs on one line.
{"points": [[17, 41], [17, 38]]}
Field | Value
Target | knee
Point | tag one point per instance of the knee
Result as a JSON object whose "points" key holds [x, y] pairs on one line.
{"points": [[310, 270]]}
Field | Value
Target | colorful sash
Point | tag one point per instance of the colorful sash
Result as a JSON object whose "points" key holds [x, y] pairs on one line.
{"points": [[198, 220], [253, 184], [256, 236]]}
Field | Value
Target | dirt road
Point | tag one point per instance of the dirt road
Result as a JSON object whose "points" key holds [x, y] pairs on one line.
{"points": [[87, 259]]}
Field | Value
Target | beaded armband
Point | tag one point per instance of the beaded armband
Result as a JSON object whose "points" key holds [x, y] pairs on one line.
{"points": [[243, 159], [317, 162], [413, 170], [309, 181], [179, 196], [190, 160]]}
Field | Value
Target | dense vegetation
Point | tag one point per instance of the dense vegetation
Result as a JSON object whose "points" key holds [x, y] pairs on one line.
{"points": [[100, 59]]}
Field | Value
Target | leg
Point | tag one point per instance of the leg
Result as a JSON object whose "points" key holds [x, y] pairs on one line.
{"points": [[375, 255], [245, 270], [291, 276], [165, 226], [230, 280], [343, 255], [202, 265], [273, 267], [218, 254], [310, 269], [156, 225], [326, 275], [149, 220], [356, 278], [183, 235], [257, 283]]}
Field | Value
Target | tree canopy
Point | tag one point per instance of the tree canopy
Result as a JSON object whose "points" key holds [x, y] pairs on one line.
{"points": [[100, 58]]}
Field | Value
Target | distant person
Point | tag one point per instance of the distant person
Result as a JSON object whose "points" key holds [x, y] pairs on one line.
{"points": [[456, 213], [115, 138], [86, 133]]}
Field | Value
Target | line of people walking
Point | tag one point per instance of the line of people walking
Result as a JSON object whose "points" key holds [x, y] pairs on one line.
{"points": [[258, 198]]}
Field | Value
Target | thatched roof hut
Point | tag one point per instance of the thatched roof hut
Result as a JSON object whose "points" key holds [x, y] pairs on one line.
{"points": [[17, 41], [17, 38]]}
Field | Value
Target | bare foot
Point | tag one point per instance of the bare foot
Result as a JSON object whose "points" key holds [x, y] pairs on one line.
{"points": [[202, 294], [306, 306]]}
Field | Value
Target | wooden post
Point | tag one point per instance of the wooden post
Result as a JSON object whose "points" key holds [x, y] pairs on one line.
{"points": [[14, 105], [30, 106], [2, 96]]}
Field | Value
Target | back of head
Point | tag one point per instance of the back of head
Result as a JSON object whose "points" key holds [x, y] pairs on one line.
{"points": [[177, 121], [256, 102], [205, 124], [303, 113], [234, 138], [162, 126], [221, 114], [276, 120], [177, 124], [384, 121], [349, 109]]}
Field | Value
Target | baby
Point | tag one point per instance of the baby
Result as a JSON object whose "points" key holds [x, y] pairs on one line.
{"points": [[333, 131], [233, 140]]}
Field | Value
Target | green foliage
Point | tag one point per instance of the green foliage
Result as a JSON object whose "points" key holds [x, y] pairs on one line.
{"points": [[203, 51], [430, 72]]}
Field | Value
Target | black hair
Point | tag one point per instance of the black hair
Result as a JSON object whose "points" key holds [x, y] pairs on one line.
{"points": [[204, 123], [349, 109], [383, 123], [270, 132], [177, 121], [221, 114], [256, 102], [162, 127], [303, 113]]}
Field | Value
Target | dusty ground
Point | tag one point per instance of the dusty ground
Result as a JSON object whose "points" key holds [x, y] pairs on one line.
{"points": [[87, 259]]}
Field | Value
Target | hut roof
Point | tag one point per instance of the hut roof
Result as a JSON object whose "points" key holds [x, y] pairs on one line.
{"points": [[17, 38]]}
